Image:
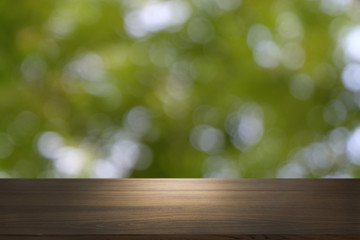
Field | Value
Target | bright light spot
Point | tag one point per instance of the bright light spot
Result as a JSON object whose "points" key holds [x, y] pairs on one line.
{"points": [[219, 167], [325, 158], [49, 143], [335, 7], [318, 156], [289, 26], [69, 160], [6, 146], [128, 155], [61, 24], [250, 129], [337, 140], [104, 169], [301, 86], [145, 158], [258, 33], [351, 77], [351, 44], [353, 147], [246, 126], [33, 67], [267, 54], [138, 120], [124, 153], [60, 27], [89, 66], [4, 175], [293, 56], [207, 139], [228, 5], [339, 175], [291, 170], [156, 16], [200, 31]]}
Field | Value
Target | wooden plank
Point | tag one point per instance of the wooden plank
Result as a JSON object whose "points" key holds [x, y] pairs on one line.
{"points": [[183, 237], [180, 208]]}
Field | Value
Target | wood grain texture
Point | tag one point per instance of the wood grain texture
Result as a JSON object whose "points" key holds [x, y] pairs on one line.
{"points": [[183, 237], [180, 209]]}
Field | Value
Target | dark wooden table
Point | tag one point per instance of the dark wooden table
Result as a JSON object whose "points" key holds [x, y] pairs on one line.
{"points": [[213, 209]]}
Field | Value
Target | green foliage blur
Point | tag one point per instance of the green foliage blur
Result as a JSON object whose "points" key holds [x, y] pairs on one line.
{"points": [[203, 88]]}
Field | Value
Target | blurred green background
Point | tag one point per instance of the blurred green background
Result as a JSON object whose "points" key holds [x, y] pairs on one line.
{"points": [[203, 88]]}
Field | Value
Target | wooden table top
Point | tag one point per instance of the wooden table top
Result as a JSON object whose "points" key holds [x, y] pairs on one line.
{"points": [[180, 209]]}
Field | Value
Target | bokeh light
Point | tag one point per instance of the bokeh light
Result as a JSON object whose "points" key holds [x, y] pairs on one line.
{"points": [[180, 88]]}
